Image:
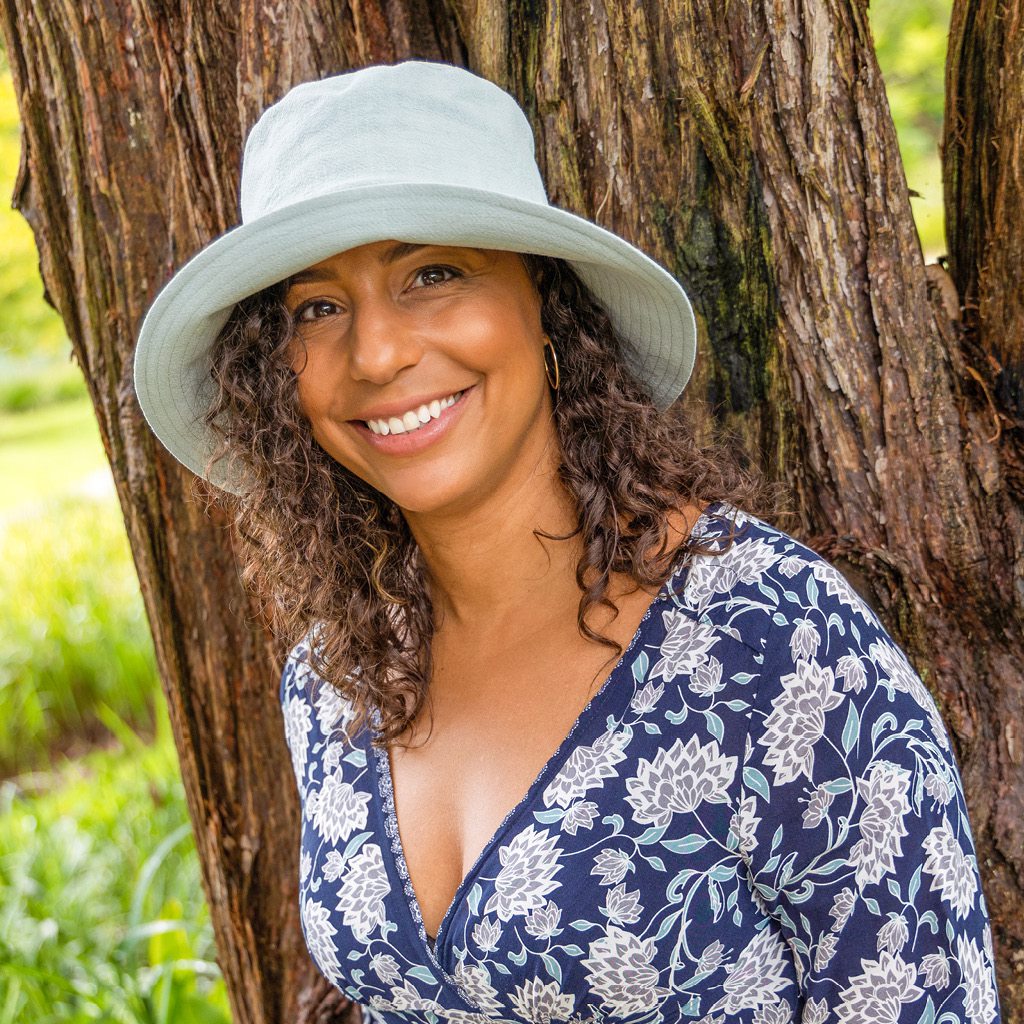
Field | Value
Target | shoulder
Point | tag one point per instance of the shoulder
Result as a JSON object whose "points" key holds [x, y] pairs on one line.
{"points": [[759, 586], [807, 627]]}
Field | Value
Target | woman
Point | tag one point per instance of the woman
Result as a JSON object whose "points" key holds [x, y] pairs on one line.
{"points": [[577, 736]]}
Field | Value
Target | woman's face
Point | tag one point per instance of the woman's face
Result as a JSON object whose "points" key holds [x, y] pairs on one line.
{"points": [[420, 368]]}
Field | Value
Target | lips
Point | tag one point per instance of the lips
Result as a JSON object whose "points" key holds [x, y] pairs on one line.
{"points": [[413, 419], [410, 441]]}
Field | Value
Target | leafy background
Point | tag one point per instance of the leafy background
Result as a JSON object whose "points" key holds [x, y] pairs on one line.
{"points": [[102, 915]]}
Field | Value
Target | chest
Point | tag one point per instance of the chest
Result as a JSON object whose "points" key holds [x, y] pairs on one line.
{"points": [[612, 878], [496, 718]]}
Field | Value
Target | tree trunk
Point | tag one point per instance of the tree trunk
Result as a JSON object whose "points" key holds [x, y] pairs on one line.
{"points": [[750, 149]]}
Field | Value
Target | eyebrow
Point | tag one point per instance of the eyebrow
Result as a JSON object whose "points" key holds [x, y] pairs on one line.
{"points": [[386, 258]]}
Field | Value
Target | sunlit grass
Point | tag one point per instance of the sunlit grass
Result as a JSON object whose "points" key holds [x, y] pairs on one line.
{"points": [[49, 452], [102, 915], [75, 637]]}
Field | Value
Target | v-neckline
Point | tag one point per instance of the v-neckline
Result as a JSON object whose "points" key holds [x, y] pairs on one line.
{"points": [[384, 790]]}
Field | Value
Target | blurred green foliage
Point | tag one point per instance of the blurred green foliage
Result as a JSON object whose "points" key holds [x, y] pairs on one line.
{"points": [[49, 452], [35, 363], [76, 639], [102, 914], [910, 41]]}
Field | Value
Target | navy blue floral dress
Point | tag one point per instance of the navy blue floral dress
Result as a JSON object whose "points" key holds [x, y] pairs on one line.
{"points": [[758, 818]]}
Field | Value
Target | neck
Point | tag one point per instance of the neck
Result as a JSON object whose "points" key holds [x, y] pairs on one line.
{"points": [[484, 563]]}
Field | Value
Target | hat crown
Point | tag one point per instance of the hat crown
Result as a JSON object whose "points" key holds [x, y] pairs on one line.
{"points": [[413, 122]]}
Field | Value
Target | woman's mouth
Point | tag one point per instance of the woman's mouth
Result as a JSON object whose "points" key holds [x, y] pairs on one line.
{"points": [[411, 421], [417, 427]]}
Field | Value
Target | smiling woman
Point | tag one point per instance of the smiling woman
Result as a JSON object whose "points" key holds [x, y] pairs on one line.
{"points": [[577, 735]]}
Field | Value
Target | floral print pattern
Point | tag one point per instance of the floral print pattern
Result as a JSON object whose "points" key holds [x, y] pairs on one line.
{"points": [[758, 819]]}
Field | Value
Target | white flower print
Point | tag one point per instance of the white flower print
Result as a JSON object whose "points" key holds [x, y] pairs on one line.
{"points": [[938, 788], [471, 1017], [878, 993], [804, 640], [743, 824], [776, 1013], [952, 873], [611, 866], [817, 806], [333, 866], [851, 670], [305, 866], [826, 950], [623, 907], [678, 780], [712, 957], [475, 984], [541, 1002], [333, 711], [580, 815], [318, 932], [815, 1012], [757, 975], [529, 864], [362, 892], [797, 720], [935, 968], [646, 700], [385, 966], [837, 586], [706, 680], [486, 933], [619, 970], [406, 997], [791, 565], [884, 793], [298, 723], [980, 996], [842, 907], [544, 921], [892, 663], [893, 935], [686, 645], [339, 810], [586, 768]]}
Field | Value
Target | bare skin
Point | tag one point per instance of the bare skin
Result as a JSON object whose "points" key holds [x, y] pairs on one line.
{"points": [[511, 670]]}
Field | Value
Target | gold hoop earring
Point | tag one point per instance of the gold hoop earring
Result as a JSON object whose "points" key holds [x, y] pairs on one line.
{"points": [[551, 365]]}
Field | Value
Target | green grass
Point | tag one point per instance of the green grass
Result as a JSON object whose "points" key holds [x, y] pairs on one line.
{"points": [[48, 452], [76, 642], [102, 916]]}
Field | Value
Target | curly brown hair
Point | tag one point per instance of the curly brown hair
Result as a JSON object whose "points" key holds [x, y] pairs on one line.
{"points": [[333, 559]]}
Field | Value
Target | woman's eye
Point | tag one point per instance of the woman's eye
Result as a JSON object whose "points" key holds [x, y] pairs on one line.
{"points": [[315, 310], [433, 276]]}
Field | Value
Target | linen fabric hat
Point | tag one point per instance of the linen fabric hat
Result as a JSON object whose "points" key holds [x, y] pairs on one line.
{"points": [[418, 152]]}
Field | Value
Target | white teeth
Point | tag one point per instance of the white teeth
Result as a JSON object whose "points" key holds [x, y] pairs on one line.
{"points": [[414, 418]]}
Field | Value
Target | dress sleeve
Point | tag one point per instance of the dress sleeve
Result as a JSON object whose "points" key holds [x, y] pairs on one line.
{"points": [[854, 827]]}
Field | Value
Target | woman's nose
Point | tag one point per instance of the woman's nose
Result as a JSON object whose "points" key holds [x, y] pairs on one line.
{"points": [[383, 343]]}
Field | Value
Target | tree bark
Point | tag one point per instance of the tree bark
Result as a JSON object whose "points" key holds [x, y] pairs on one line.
{"points": [[750, 149]]}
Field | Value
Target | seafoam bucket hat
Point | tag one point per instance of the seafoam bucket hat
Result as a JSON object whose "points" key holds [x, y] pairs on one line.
{"points": [[416, 151]]}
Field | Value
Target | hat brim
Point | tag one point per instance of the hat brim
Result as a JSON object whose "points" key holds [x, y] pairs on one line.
{"points": [[646, 304]]}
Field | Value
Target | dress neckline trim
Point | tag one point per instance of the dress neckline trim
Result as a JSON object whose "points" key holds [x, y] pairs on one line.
{"points": [[384, 789]]}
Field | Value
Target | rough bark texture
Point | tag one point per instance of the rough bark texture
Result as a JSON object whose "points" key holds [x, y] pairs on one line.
{"points": [[748, 147]]}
